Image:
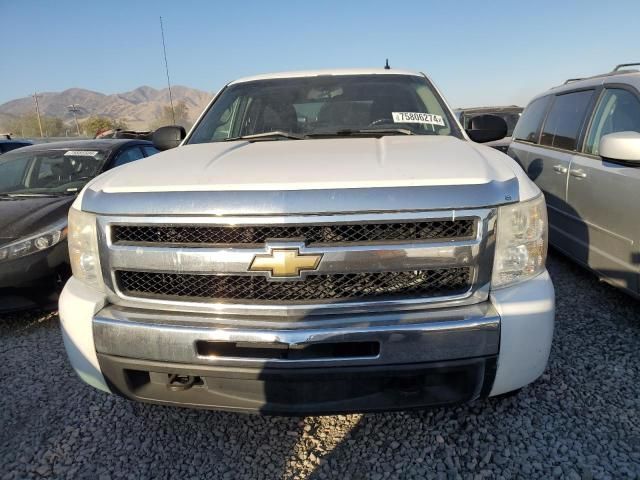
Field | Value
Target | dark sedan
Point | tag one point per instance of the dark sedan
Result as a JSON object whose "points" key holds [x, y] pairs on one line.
{"points": [[38, 184]]}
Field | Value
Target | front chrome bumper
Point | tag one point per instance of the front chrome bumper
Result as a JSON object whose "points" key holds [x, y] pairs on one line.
{"points": [[398, 338], [453, 354]]}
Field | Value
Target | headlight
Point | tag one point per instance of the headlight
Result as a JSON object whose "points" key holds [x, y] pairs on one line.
{"points": [[521, 242], [35, 243], [83, 248]]}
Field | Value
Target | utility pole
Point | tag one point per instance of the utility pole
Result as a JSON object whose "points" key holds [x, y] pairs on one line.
{"points": [[166, 67], [35, 97], [75, 108]]}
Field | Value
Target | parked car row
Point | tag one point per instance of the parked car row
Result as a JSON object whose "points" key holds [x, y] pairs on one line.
{"points": [[38, 184], [340, 242], [580, 143]]}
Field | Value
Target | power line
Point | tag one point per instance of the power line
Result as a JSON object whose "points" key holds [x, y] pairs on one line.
{"points": [[166, 66]]}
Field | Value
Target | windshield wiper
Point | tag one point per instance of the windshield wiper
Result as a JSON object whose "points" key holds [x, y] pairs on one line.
{"points": [[267, 136], [364, 131]]}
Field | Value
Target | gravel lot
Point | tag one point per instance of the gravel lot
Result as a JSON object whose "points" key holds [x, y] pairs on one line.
{"points": [[580, 420]]}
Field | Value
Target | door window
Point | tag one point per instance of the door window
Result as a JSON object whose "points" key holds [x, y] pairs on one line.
{"points": [[127, 156], [148, 150], [565, 120], [617, 111], [528, 126]]}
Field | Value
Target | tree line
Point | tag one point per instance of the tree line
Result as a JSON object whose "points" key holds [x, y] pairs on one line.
{"points": [[27, 125]]}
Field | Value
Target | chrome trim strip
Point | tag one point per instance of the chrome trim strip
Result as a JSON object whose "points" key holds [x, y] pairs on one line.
{"points": [[339, 259], [297, 311], [317, 219], [476, 253], [302, 202], [465, 332]]}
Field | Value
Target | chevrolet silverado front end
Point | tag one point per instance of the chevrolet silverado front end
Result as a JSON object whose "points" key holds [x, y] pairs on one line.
{"points": [[321, 242]]}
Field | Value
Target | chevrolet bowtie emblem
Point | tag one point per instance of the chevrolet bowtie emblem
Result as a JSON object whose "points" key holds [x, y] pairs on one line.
{"points": [[285, 262]]}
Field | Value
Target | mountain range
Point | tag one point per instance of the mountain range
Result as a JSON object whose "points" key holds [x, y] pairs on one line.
{"points": [[138, 108]]}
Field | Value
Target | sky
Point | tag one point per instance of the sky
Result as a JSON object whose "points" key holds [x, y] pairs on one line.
{"points": [[477, 52]]}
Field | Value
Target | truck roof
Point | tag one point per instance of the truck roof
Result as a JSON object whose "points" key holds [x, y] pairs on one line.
{"points": [[333, 71]]}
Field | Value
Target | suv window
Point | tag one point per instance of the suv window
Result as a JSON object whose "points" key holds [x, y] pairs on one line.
{"points": [[617, 111], [529, 124], [566, 117]]}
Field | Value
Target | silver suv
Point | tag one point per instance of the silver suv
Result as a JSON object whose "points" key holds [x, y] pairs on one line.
{"points": [[580, 143]]}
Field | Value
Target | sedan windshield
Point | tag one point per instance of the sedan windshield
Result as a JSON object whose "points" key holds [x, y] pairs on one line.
{"points": [[48, 172], [325, 105]]}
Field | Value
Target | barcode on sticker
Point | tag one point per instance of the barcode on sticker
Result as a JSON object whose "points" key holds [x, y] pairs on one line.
{"points": [[417, 117], [80, 153]]}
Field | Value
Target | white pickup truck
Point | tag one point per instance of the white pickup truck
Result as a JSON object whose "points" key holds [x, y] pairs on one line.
{"points": [[325, 241]]}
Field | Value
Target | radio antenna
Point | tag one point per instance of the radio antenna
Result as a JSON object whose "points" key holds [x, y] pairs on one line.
{"points": [[166, 67]]}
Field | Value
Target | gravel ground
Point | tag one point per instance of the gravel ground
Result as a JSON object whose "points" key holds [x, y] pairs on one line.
{"points": [[581, 420]]}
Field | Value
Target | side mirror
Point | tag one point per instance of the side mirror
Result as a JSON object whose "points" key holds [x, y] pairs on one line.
{"points": [[623, 146], [168, 137], [487, 128]]}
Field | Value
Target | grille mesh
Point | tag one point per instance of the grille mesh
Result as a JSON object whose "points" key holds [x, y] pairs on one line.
{"points": [[351, 286], [312, 234]]}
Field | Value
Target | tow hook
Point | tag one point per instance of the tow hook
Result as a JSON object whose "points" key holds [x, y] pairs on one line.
{"points": [[180, 383]]}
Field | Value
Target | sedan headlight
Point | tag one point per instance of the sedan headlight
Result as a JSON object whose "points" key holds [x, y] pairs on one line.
{"points": [[83, 248], [42, 240], [521, 242]]}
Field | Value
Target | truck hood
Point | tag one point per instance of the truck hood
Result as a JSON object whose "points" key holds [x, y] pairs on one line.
{"points": [[390, 161], [314, 166]]}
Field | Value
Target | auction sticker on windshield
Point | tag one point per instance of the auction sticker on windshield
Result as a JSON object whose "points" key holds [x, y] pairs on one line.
{"points": [[80, 153], [417, 117]]}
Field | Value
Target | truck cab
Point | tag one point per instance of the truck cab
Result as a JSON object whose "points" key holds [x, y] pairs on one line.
{"points": [[319, 242]]}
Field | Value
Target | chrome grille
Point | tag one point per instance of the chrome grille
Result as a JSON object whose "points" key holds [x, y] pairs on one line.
{"points": [[246, 288], [384, 261], [312, 234]]}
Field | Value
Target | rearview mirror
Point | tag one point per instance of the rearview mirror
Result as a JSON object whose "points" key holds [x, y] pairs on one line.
{"points": [[487, 128], [624, 146], [168, 137]]}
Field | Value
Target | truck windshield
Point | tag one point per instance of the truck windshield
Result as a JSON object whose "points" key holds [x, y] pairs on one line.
{"points": [[49, 172], [325, 105]]}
